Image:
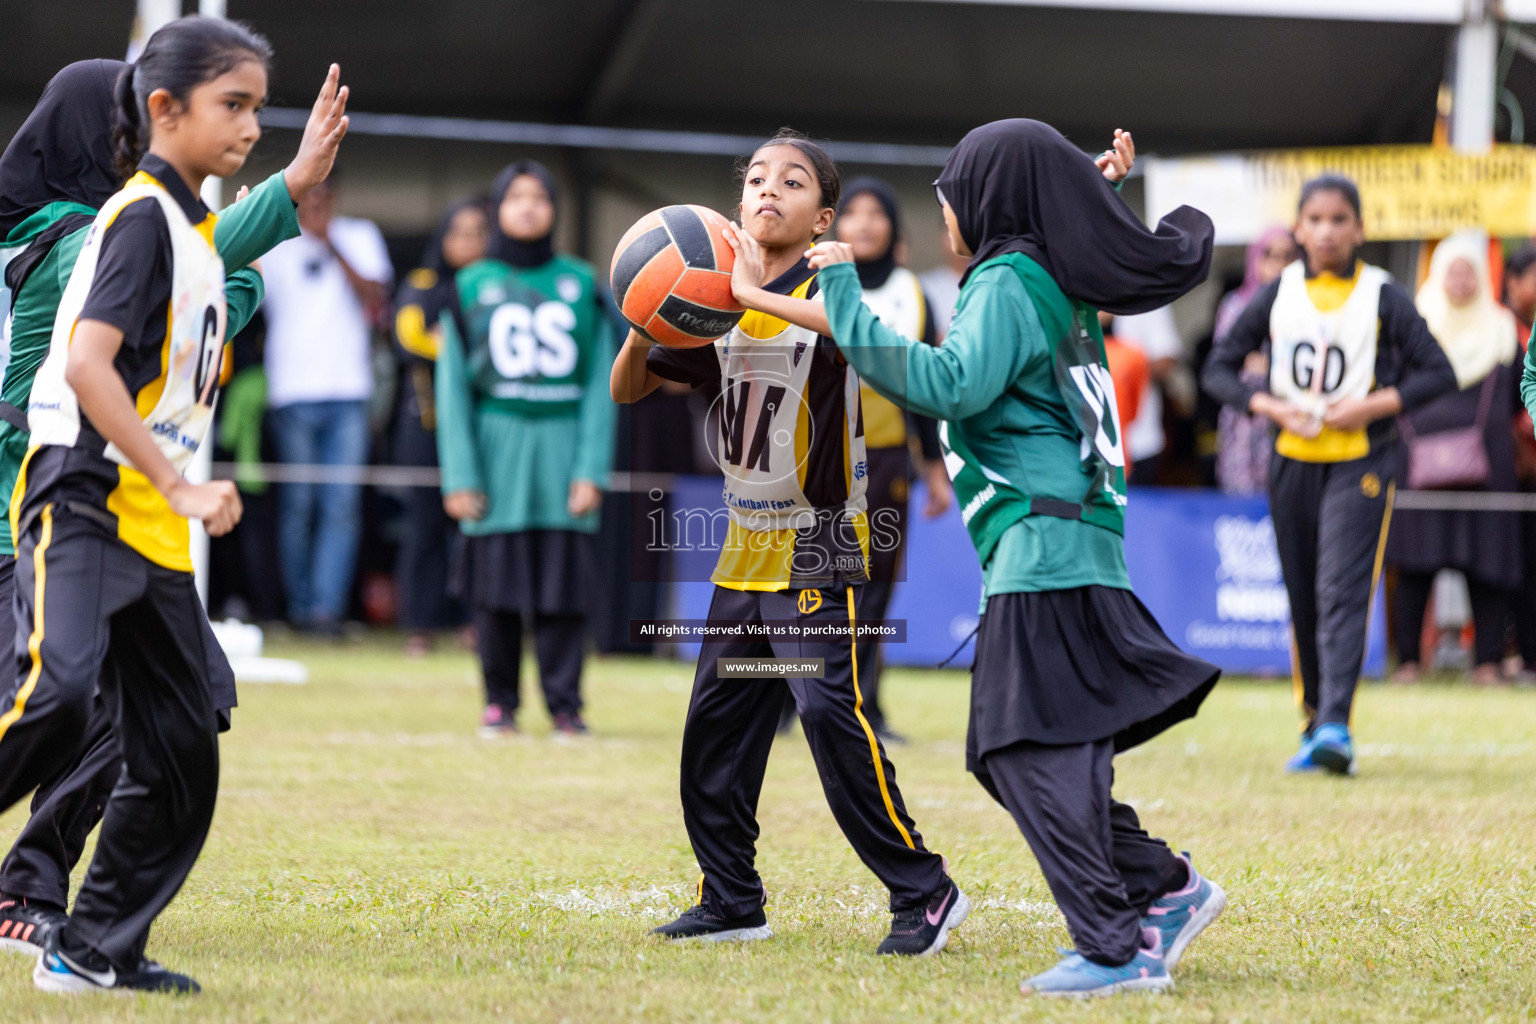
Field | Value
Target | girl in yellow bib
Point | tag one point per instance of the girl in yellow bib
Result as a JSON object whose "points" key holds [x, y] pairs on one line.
{"points": [[1348, 352], [104, 588]]}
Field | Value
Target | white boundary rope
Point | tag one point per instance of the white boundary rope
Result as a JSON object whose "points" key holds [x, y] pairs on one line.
{"points": [[428, 476]]}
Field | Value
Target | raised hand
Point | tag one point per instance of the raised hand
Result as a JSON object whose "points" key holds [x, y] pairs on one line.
{"points": [[1116, 161], [323, 133]]}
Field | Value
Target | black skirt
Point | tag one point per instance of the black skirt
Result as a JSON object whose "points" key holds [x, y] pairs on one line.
{"points": [[536, 572], [1063, 667]]}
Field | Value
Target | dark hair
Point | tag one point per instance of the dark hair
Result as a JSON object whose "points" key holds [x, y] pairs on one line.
{"points": [[827, 177], [181, 55], [1519, 261], [1516, 264], [1331, 183]]}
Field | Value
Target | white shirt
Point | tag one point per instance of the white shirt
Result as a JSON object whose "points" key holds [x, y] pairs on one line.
{"points": [[942, 286], [318, 338]]}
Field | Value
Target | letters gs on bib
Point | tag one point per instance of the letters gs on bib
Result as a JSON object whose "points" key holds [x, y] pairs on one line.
{"points": [[533, 341]]}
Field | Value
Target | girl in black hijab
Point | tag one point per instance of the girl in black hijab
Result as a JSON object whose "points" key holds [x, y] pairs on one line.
{"points": [[1070, 667], [460, 239], [525, 440], [57, 170]]}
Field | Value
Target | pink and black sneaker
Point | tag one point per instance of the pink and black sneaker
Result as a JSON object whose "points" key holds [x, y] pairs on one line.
{"points": [[24, 924], [497, 722], [924, 930]]}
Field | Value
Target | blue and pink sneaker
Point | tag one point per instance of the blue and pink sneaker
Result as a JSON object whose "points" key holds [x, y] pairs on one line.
{"points": [[1180, 916], [1077, 977]]}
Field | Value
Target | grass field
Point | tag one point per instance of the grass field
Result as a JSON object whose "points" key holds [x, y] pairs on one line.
{"points": [[372, 860]]}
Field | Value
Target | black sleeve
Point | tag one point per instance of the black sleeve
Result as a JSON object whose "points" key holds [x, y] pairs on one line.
{"points": [[1423, 371], [694, 366], [133, 272], [930, 329], [1220, 378]]}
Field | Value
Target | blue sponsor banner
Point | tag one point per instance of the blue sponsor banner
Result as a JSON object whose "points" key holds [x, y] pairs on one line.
{"points": [[1204, 564]]}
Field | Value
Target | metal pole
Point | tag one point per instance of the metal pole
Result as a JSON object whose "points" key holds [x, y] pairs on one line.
{"points": [[1476, 89], [201, 469]]}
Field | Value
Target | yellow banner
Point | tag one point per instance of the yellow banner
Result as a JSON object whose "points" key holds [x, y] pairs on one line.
{"points": [[1407, 192]]}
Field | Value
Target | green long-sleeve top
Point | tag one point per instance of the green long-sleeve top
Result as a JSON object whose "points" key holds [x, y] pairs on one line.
{"points": [[523, 464], [1528, 382], [242, 233], [992, 381]]}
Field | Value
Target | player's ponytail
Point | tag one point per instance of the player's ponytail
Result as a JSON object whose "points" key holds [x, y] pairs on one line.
{"points": [[127, 140], [182, 55]]}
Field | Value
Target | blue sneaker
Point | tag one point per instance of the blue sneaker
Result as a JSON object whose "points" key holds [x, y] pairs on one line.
{"points": [[1328, 749], [1332, 749], [1180, 916], [1301, 762], [1077, 977]]}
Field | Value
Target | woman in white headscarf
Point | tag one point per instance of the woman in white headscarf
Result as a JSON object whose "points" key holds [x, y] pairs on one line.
{"points": [[1478, 336]]}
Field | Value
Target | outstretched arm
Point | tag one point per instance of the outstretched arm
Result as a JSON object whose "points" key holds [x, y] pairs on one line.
{"points": [[996, 332], [748, 276], [260, 219]]}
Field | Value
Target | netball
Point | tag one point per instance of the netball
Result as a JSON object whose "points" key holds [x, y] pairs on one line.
{"points": [[671, 277], [996, 535]]}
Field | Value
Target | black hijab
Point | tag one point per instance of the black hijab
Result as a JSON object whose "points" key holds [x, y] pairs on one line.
{"points": [[62, 153], [874, 273], [433, 258], [1020, 186], [506, 248]]}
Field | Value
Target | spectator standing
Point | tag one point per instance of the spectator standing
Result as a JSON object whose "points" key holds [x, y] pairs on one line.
{"points": [[1156, 336], [1520, 297], [422, 570], [1478, 336], [1244, 441], [525, 438], [325, 290], [1130, 372]]}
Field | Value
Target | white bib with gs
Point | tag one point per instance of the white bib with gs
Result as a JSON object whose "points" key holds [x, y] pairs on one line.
{"points": [[178, 406]]}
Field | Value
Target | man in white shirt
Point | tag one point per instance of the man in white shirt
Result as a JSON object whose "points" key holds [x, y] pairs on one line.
{"points": [[324, 290], [1155, 334]]}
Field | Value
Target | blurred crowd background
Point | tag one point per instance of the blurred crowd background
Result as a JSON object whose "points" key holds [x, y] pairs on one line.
{"points": [[635, 104]]}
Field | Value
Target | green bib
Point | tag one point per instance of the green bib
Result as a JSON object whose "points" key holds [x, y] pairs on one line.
{"points": [[989, 502], [530, 334]]}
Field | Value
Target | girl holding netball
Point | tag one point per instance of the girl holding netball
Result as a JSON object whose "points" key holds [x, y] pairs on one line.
{"points": [[1348, 353], [104, 581], [422, 569], [1070, 667], [792, 451]]}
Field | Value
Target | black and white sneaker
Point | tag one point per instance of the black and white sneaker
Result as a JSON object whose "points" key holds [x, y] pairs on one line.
{"points": [[698, 922], [24, 924], [923, 931], [73, 971]]}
